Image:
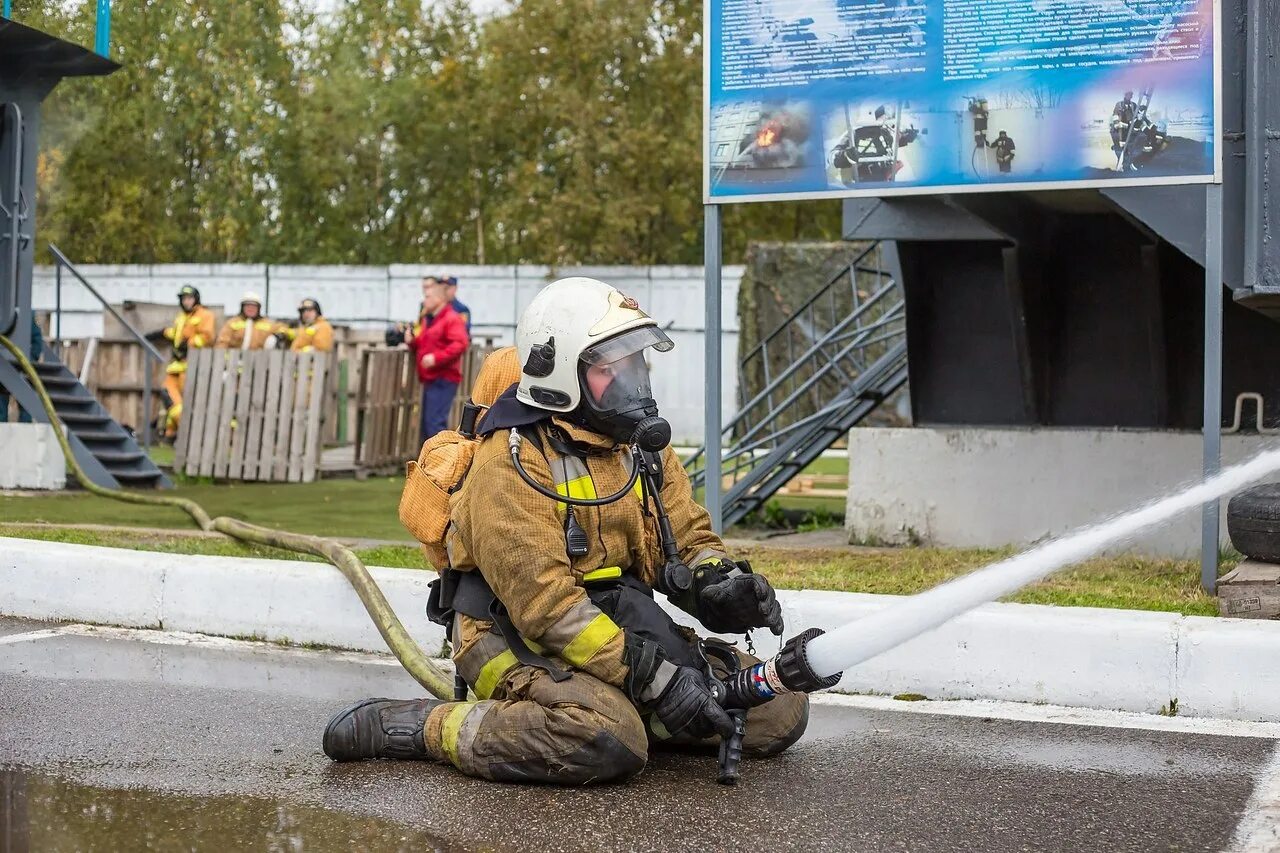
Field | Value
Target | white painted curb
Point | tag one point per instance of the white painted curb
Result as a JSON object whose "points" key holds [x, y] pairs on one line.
{"points": [[1081, 657]]}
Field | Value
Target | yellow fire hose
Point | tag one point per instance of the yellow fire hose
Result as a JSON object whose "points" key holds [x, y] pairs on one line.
{"points": [[406, 650]]}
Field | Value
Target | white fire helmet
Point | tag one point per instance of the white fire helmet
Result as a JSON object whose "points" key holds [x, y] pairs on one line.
{"points": [[250, 297], [577, 323]]}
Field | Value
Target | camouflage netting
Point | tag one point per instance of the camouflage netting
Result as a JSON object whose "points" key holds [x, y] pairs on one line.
{"points": [[778, 280]]}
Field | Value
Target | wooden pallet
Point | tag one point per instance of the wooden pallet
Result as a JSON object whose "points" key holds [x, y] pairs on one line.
{"points": [[253, 415]]}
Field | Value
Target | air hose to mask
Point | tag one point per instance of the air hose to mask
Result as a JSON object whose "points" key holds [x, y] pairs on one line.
{"points": [[513, 444], [398, 639], [675, 578]]}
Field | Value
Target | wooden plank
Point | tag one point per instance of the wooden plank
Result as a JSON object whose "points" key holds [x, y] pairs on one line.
{"points": [[253, 425], [391, 421], [226, 370], [218, 425], [362, 404], [314, 425], [377, 409], [298, 432], [270, 409], [410, 399], [284, 424], [208, 402], [244, 393], [401, 402]]}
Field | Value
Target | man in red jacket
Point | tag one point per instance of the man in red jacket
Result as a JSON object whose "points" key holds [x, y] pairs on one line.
{"points": [[437, 340]]}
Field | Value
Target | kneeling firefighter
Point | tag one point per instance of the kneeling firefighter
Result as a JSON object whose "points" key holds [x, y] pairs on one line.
{"points": [[573, 510]]}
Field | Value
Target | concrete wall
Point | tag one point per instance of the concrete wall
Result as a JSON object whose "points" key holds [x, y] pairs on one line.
{"points": [[995, 487], [370, 297], [30, 457]]}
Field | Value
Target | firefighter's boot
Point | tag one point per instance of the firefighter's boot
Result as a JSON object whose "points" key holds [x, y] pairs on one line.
{"points": [[379, 728]]}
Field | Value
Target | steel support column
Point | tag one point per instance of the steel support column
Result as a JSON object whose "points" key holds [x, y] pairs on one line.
{"points": [[1212, 381], [713, 375]]}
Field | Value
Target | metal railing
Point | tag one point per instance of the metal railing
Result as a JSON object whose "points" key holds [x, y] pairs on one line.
{"points": [[149, 352], [840, 352]]}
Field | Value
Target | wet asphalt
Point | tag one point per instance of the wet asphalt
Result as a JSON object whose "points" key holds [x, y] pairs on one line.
{"points": [[109, 744]]}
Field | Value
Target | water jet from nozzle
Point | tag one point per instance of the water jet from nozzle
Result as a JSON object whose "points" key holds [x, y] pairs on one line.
{"points": [[872, 635]]}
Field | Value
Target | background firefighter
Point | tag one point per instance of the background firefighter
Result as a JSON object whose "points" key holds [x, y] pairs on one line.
{"points": [[192, 329], [598, 672], [249, 329], [313, 332]]}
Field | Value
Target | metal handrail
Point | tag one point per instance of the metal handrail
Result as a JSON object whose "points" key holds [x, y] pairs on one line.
{"points": [[893, 314], [808, 302], [147, 348]]}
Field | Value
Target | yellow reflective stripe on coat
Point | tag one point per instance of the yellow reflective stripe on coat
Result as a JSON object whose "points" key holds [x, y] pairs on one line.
{"points": [[584, 647], [453, 725], [607, 573], [572, 479]]}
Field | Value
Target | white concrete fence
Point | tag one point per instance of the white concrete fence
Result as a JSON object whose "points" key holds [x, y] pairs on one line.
{"points": [[371, 296]]}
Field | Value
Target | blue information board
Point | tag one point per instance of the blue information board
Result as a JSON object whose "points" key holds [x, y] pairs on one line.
{"points": [[838, 98]]}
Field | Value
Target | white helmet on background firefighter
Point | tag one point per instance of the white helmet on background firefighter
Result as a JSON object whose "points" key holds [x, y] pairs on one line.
{"points": [[581, 345], [250, 298]]}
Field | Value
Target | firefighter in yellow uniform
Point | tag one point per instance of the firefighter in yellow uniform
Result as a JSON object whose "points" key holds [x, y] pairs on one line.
{"points": [[313, 332], [247, 330], [191, 329], [576, 671]]}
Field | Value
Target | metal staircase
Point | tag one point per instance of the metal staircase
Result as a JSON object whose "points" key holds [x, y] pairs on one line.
{"points": [[820, 372], [107, 451]]}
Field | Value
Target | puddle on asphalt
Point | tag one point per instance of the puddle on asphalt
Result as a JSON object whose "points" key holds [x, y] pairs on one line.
{"points": [[46, 814]]}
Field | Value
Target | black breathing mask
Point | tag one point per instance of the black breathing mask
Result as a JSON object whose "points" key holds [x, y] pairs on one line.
{"points": [[617, 398]]}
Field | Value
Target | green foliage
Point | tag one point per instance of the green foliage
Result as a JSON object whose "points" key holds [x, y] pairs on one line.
{"points": [[774, 515], [557, 131]]}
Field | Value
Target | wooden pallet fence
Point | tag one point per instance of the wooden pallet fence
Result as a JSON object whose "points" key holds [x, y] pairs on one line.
{"points": [[388, 405], [253, 415]]}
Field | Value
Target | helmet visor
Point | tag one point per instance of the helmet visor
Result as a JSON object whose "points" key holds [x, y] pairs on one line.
{"points": [[628, 343], [615, 374]]}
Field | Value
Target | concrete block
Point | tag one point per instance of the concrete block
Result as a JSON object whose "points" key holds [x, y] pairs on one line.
{"points": [[30, 457], [1250, 591], [1226, 668], [996, 487], [53, 580]]}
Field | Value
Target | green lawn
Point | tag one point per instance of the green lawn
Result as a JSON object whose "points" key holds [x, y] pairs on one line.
{"points": [[1122, 582], [345, 508]]}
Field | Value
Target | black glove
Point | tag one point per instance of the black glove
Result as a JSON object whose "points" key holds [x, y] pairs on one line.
{"points": [[683, 703], [732, 600], [687, 707]]}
